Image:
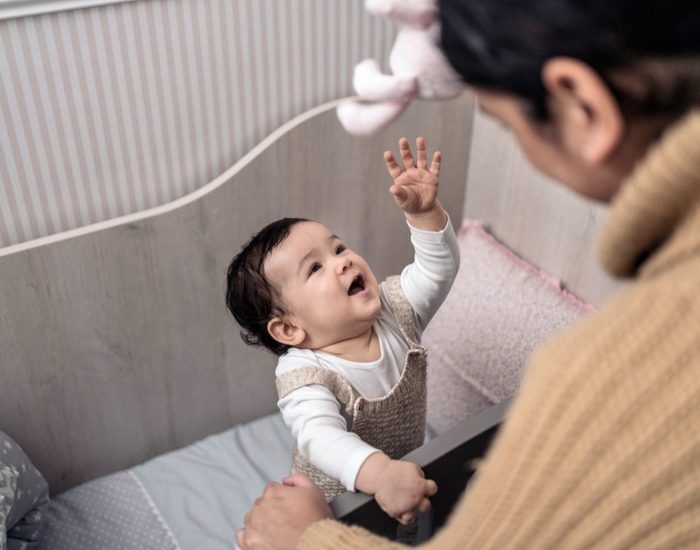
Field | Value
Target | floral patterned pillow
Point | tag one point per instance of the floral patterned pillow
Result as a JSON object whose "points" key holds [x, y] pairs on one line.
{"points": [[24, 496], [500, 308]]}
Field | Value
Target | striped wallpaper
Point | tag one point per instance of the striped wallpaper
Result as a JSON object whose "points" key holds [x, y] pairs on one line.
{"points": [[109, 110]]}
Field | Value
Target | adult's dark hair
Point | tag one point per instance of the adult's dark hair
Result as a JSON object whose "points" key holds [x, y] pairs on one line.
{"points": [[502, 45], [250, 297]]}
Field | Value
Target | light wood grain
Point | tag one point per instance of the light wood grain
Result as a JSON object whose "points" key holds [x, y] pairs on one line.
{"points": [[115, 341], [541, 220]]}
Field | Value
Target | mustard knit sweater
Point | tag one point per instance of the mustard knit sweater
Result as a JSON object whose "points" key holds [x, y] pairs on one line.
{"points": [[602, 446]]}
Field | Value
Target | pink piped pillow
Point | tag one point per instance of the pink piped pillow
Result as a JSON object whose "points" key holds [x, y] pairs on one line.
{"points": [[498, 310]]}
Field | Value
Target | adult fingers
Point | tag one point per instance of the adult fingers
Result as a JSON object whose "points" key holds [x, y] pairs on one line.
{"points": [[406, 155], [391, 165], [435, 165], [299, 480], [268, 491], [422, 161], [240, 539]]}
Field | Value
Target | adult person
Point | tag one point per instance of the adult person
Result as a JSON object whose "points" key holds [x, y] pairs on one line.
{"points": [[602, 446]]}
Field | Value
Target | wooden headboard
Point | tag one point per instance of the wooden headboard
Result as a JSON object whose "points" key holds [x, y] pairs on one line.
{"points": [[115, 343], [540, 219]]}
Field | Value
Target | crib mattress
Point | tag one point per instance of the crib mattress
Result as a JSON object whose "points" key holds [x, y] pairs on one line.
{"points": [[194, 497]]}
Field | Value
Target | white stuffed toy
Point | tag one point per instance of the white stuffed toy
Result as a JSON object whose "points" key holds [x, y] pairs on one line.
{"points": [[419, 69]]}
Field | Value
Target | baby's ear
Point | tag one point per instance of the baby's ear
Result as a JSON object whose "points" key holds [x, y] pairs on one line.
{"points": [[285, 332]]}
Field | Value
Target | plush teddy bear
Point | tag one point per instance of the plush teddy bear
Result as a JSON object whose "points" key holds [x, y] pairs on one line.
{"points": [[419, 69]]}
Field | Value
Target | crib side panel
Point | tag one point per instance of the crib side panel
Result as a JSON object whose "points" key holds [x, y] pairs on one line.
{"points": [[116, 344]]}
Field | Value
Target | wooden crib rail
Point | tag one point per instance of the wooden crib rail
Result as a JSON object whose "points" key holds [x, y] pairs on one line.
{"points": [[449, 460]]}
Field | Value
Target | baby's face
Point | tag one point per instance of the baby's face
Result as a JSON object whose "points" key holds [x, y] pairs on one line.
{"points": [[327, 290]]}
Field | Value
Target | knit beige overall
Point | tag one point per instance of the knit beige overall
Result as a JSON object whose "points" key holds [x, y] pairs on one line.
{"points": [[394, 423]]}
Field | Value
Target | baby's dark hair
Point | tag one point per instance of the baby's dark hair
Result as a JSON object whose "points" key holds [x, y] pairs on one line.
{"points": [[250, 297]]}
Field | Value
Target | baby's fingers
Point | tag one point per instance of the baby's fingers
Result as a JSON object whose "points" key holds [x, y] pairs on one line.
{"points": [[424, 505], [406, 155], [430, 487], [392, 165], [435, 165], [422, 161], [407, 518]]}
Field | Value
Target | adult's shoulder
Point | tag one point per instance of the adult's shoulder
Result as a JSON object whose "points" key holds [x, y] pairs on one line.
{"points": [[606, 412], [628, 331]]}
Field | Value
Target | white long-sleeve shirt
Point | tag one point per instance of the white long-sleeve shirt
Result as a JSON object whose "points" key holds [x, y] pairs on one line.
{"points": [[313, 413]]}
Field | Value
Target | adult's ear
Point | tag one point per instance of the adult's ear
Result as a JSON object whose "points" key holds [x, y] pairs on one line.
{"points": [[586, 113], [285, 332]]}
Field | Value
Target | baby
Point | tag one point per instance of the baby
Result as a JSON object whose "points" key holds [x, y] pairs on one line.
{"points": [[351, 374]]}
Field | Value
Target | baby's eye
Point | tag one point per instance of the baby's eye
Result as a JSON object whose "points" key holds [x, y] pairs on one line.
{"points": [[339, 249], [314, 268]]}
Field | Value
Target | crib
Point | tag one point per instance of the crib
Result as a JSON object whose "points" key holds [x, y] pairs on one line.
{"points": [[116, 344]]}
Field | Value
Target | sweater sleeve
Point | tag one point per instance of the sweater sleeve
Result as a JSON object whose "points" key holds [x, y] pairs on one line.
{"points": [[329, 534], [429, 278], [313, 415]]}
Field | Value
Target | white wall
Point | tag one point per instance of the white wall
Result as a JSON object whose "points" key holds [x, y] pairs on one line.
{"points": [[110, 110]]}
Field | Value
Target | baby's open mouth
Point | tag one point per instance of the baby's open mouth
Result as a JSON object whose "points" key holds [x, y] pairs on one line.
{"points": [[357, 285]]}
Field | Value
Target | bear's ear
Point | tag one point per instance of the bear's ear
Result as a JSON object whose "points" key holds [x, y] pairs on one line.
{"points": [[285, 332]]}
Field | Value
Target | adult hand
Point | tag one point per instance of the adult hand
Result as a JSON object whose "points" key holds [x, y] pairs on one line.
{"points": [[282, 514]]}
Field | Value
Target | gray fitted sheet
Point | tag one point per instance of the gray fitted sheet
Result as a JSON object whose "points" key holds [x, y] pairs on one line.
{"points": [[192, 498]]}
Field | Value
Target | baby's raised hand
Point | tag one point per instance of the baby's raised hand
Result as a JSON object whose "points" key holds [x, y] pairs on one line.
{"points": [[415, 184], [403, 491]]}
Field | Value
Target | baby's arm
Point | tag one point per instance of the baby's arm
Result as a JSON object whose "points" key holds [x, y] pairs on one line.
{"points": [[313, 415], [399, 486], [428, 279]]}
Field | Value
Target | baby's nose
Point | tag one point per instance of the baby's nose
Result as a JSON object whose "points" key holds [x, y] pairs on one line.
{"points": [[344, 264]]}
